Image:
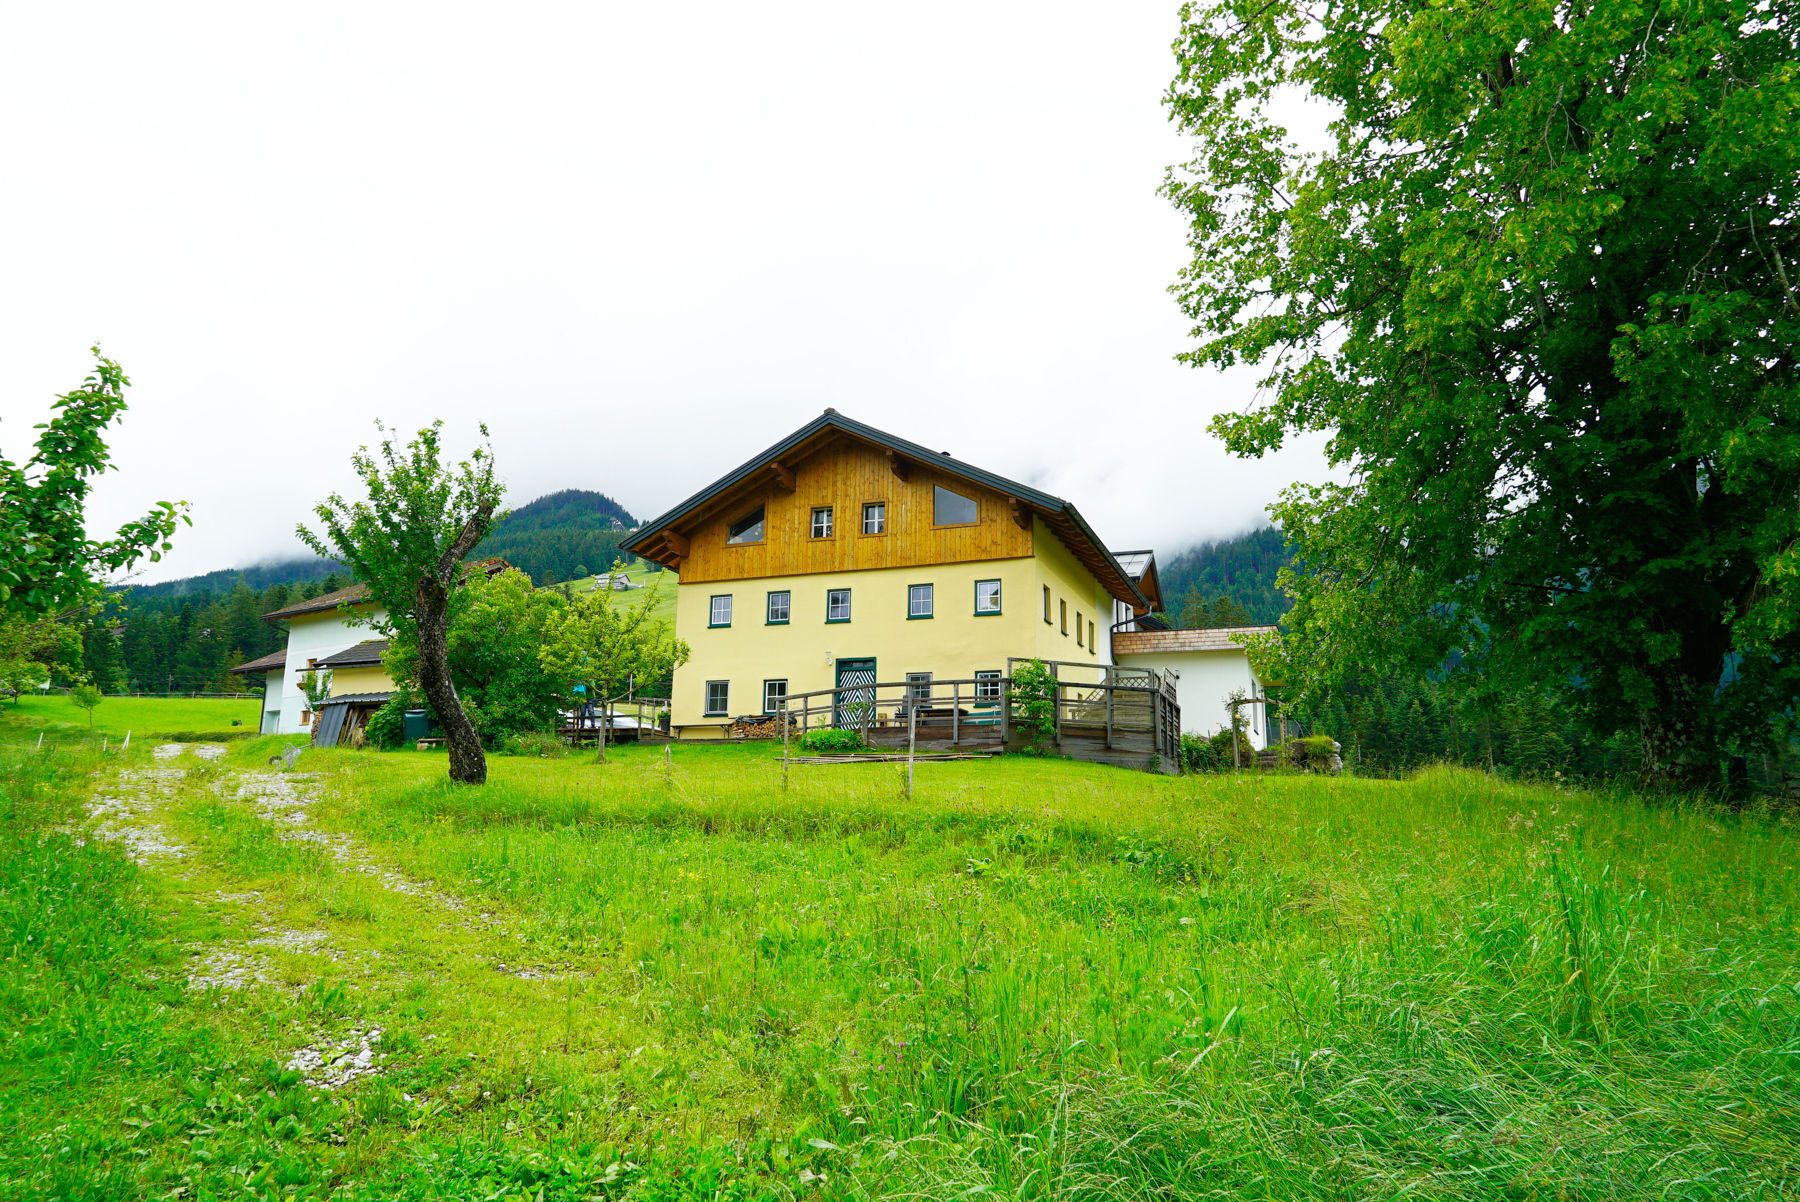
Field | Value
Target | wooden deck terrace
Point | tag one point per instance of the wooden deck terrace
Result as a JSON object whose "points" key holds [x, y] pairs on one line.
{"points": [[646, 716], [1109, 715]]}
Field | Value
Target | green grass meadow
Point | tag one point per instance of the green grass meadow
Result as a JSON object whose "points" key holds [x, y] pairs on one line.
{"points": [[677, 978], [114, 717]]}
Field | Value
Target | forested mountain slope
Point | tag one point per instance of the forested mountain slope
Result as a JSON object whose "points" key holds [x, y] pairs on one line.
{"points": [[1241, 568], [567, 534], [185, 635]]}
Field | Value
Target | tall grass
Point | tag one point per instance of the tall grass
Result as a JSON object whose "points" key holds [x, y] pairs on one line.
{"points": [[1048, 980], [1032, 980]]}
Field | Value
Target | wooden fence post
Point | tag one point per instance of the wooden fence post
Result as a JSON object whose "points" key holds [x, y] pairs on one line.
{"points": [[912, 735]]}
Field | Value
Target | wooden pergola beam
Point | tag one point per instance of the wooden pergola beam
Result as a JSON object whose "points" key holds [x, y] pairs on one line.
{"points": [[677, 543]]}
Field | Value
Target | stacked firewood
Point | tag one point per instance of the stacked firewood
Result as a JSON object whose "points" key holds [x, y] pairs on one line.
{"points": [[756, 728]]}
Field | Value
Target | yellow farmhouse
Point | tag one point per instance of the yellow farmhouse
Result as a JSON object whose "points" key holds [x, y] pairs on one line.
{"points": [[843, 554]]}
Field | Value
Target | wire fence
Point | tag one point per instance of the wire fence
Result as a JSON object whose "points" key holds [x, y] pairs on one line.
{"points": [[63, 689]]}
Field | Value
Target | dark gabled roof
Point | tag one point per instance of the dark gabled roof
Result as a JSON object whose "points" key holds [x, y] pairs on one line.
{"points": [[360, 656], [1058, 514], [345, 596], [355, 699], [266, 663], [358, 594]]}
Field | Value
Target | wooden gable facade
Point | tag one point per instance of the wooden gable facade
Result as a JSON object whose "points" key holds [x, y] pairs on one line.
{"points": [[842, 476], [839, 464]]}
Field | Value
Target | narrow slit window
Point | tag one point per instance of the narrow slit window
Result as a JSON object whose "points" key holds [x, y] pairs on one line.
{"points": [[1063, 608], [821, 522], [875, 517], [951, 508], [1080, 631], [918, 601], [747, 529], [1046, 605]]}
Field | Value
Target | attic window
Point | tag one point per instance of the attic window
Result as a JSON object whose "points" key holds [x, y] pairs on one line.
{"points": [[747, 529], [950, 508]]}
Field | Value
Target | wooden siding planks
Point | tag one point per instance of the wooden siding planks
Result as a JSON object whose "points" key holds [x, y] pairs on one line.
{"points": [[845, 475]]}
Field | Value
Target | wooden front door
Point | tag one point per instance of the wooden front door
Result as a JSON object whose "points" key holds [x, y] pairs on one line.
{"points": [[855, 706]]}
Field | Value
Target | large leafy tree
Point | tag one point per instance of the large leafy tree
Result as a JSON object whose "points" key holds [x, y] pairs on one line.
{"points": [[1541, 284], [406, 544]]}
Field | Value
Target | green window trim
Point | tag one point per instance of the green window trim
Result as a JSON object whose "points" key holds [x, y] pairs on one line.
{"points": [[913, 617], [999, 595], [769, 605], [712, 610], [829, 620]]}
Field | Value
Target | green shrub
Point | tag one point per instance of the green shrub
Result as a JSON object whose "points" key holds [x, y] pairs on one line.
{"points": [[831, 740], [1199, 753], [540, 743], [1032, 695], [1212, 753], [387, 725], [1312, 753]]}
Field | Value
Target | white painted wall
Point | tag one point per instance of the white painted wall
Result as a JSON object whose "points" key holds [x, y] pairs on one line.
{"points": [[314, 636], [271, 711], [1207, 678]]}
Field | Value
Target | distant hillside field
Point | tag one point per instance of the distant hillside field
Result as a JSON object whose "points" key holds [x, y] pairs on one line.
{"points": [[663, 582], [55, 714]]}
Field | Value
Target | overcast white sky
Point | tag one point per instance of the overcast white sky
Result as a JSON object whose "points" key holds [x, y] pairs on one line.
{"points": [[640, 241]]}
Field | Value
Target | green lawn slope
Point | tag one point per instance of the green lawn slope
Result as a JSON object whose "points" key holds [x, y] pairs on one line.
{"points": [[142, 716], [664, 583], [689, 975]]}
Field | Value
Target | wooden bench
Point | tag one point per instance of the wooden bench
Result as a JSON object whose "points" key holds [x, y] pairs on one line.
{"points": [[428, 744]]}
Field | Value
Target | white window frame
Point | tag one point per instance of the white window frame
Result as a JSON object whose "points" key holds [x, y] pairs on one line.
{"points": [[878, 511], [918, 686], [821, 528], [712, 610], [787, 607], [916, 592], [724, 707], [767, 707], [987, 684], [831, 604], [998, 597]]}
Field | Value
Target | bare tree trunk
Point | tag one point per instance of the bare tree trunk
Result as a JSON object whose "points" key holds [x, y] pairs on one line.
{"points": [[468, 763], [605, 725], [1678, 737]]}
